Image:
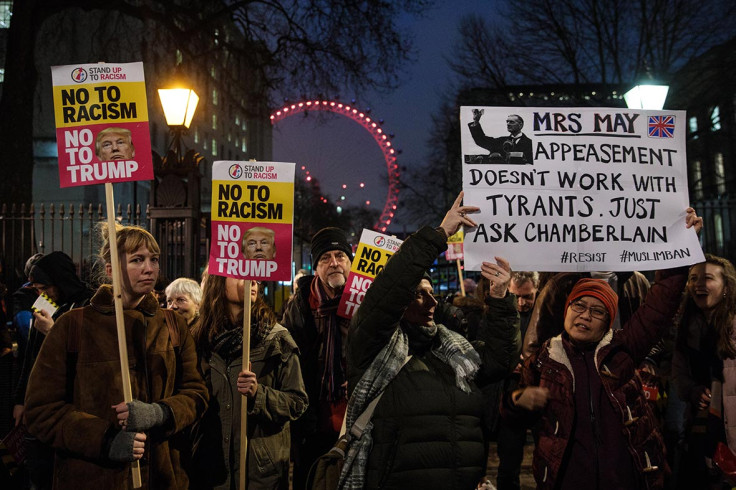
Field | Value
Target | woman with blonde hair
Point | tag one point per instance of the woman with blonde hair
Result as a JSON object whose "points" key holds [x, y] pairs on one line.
{"points": [[271, 385], [74, 393]]}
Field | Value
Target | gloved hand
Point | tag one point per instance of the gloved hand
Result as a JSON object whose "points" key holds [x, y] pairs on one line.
{"points": [[127, 447], [136, 416]]}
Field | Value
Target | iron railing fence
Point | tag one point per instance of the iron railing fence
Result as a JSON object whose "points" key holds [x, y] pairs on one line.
{"points": [[73, 229]]}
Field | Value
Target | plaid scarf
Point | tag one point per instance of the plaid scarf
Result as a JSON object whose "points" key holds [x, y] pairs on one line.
{"points": [[229, 344], [453, 349], [330, 329]]}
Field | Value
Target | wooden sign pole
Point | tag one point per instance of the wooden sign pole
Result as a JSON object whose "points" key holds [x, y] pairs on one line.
{"points": [[135, 466], [244, 399], [460, 277]]}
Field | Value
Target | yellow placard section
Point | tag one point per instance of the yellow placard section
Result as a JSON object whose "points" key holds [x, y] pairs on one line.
{"points": [[78, 105], [457, 237], [255, 202], [369, 261]]}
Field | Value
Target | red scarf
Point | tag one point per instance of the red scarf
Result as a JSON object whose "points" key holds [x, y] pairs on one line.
{"points": [[331, 330]]}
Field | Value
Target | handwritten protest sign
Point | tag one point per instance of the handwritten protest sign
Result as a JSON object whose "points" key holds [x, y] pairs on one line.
{"points": [[577, 189], [101, 123], [370, 258], [455, 246], [252, 220]]}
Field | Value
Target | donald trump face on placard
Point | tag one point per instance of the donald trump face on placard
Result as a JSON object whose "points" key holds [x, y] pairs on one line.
{"points": [[114, 144], [258, 243]]}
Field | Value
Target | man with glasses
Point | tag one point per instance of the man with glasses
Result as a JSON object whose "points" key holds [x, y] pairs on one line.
{"points": [[320, 334], [524, 285]]}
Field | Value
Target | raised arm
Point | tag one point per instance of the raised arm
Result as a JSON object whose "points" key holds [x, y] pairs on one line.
{"points": [[395, 287]]}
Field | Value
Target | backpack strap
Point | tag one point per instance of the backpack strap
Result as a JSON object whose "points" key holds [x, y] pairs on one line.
{"points": [[170, 317]]}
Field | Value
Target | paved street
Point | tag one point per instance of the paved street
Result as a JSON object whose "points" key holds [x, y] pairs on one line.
{"points": [[526, 478]]}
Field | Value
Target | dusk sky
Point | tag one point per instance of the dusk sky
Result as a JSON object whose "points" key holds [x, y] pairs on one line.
{"points": [[340, 152]]}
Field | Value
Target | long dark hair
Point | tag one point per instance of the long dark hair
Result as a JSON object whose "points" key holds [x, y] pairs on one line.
{"points": [[725, 311], [213, 314]]}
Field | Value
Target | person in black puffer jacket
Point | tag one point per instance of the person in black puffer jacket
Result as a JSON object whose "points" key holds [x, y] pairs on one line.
{"points": [[427, 429]]}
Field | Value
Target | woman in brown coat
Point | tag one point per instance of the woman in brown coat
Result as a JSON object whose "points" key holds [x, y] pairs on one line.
{"points": [[75, 393]]}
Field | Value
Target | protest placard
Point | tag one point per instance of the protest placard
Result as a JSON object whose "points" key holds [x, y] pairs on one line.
{"points": [[371, 255], [455, 246], [252, 220], [101, 123], [577, 189], [102, 137]]}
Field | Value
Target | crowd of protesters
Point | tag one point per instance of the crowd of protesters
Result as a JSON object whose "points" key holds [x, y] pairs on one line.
{"points": [[618, 383]]}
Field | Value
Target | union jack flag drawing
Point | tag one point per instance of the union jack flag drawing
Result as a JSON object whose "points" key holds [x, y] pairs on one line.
{"points": [[661, 126]]}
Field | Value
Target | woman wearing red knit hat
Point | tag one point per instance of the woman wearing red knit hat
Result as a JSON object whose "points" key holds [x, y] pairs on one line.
{"points": [[596, 429]]}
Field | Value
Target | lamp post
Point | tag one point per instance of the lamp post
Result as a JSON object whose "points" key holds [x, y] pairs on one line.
{"points": [[179, 105], [646, 96], [175, 214]]}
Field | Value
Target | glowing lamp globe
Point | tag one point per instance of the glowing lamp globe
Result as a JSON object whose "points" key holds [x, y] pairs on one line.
{"points": [[646, 97], [179, 105]]}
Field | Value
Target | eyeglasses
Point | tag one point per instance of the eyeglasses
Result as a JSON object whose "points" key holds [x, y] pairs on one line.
{"points": [[595, 312]]}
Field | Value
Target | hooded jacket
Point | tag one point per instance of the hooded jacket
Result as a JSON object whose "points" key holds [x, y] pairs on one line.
{"points": [[75, 417], [55, 269], [547, 316], [621, 415]]}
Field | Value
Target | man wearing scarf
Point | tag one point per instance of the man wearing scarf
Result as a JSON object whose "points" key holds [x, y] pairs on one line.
{"points": [[428, 428], [320, 334]]}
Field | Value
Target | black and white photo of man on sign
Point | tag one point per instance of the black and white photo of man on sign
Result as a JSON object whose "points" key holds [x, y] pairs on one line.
{"points": [[515, 148]]}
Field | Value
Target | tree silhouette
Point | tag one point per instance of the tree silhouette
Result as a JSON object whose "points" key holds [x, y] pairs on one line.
{"points": [[311, 46]]}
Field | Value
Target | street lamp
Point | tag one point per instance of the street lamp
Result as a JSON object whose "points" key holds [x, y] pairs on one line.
{"points": [[179, 105], [176, 213], [646, 96]]}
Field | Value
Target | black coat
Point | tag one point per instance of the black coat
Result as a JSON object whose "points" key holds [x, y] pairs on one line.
{"points": [[427, 433]]}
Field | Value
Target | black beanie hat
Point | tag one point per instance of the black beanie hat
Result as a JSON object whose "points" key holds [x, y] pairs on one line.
{"points": [[328, 239]]}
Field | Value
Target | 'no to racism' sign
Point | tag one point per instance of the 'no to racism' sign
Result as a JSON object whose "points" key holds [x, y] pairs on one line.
{"points": [[252, 220], [101, 123], [371, 256]]}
